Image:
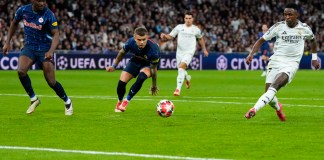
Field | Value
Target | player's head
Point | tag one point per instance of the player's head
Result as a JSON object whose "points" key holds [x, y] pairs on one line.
{"points": [[38, 5], [188, 18], [141, 36], [291, 14], [264, 28]]}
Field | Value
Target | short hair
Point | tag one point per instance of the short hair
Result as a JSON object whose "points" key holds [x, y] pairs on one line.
{"points": [[293, 6], [141, 31], [188, 13]]}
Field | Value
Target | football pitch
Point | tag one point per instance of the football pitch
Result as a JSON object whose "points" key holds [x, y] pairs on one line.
{"points": [[208, 122]]}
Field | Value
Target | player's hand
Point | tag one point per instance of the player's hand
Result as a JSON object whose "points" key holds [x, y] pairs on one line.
{"points": [[154, 91], [163, 37], [5, 49], [315, 64], [248, 59], [49, 55], [205, 53], [110, 69]]}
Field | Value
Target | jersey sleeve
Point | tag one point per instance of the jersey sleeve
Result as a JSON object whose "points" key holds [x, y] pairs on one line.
{"points": [[155, 59], [19, 14], [127, 45], [175, 31], [272, 32], [309, 33], [52, 21], [199, 34]]}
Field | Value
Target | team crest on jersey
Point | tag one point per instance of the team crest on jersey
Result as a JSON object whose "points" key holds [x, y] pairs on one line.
{"points": [[54, 24], [41, 20]]}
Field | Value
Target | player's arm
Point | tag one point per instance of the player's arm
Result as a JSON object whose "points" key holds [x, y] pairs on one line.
{"points": [[154, 90], [166, 37], [54, 44], [121, 54], [313, 45], [12, 29], [201, 42], [255, 49]]}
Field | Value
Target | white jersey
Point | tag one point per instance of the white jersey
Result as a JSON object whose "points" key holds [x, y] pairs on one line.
{"points": [[289, 45], [187, 38]]}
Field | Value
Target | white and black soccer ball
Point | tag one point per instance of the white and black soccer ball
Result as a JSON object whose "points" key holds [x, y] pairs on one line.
{"points": [[165, 108]]}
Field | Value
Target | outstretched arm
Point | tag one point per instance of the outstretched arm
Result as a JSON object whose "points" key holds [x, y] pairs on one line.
{"points": [[255, 49], [166, 37], [203, 46], [121, 54], [12, 29], [315, 63]]}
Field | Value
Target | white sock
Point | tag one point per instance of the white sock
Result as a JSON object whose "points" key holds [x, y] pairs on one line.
{"points": [[33, 98], [180, 78], [265, 98], [186, 73], [68, 101], [274, 103]]}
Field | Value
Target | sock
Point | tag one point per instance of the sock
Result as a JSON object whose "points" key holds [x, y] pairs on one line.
{"points": [[137, 85], [186, 73], [60, 91], [265, 98], [180, 78], [274, 103], [121, 90], [26, 83]]}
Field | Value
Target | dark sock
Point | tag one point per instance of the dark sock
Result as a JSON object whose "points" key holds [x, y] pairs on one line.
{"points": [[26, 83], [121, 90], [264, 65], [60, 91], [137, 85]]}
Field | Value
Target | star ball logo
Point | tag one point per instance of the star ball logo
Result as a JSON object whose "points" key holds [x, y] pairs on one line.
{"points": [[221, 63], [195, 63], [62, 63]]}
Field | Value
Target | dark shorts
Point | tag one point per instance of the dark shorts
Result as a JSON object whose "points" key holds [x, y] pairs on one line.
{"points": [[38, 57], [134, 68]]}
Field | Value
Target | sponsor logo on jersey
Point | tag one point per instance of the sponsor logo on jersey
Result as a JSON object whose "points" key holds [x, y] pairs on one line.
{"points": [[32, 25]]}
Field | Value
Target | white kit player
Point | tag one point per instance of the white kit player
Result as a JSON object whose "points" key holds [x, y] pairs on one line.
{"points": [[284, 63], [186, 46]]}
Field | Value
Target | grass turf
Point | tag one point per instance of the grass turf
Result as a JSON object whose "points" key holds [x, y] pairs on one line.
{"points": [[208, 121]]}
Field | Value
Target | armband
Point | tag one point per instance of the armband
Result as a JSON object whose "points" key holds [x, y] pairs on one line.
{"points": [[314, 56], [114, 66]]}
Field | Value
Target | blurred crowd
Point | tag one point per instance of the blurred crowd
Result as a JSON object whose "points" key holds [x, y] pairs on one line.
{"points": [[103, 26]]}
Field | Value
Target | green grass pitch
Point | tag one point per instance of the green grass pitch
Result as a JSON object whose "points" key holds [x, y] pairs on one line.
{"points": [[208, 121]]}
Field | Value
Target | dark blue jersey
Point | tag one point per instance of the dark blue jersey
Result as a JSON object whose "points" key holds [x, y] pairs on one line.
{"points": [[37, 27], [265, 46], [149, 54]]}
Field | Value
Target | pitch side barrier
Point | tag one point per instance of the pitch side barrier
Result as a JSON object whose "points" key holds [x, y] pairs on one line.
{"points": [[215, 61]]}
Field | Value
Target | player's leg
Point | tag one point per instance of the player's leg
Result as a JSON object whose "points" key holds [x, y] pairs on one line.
{"points": [[264, 62], [281, 80], [142, 76], [25, 61], [130, 71], [180, 78], [49, 74]]}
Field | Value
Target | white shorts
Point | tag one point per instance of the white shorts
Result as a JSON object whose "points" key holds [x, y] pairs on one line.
{"points": [[274, 68], [184, 58]]}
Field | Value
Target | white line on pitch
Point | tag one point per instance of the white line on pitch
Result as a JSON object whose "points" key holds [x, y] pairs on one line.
{"points": [[188, 99], [105, 153]]}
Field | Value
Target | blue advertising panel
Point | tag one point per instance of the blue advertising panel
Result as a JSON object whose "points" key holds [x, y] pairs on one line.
{"points": [[234, 61]]}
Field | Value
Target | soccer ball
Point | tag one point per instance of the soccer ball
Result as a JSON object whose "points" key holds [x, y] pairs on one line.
{"points": [[165, 108]]}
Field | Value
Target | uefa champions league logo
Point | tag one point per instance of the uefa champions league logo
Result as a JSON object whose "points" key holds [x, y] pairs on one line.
{"points": [[62, 63], [221, 63], [195, 63]]}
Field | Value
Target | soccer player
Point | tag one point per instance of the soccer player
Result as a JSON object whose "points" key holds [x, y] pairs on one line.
{"points": [[283, 65], [143, 64], [265, 50], [187, 33], [41, 39]]}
